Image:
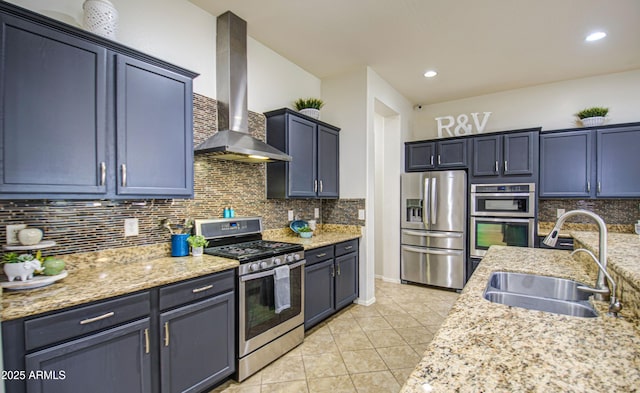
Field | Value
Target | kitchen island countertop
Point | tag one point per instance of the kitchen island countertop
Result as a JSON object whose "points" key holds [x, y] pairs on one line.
{"points": [[489, 347]]}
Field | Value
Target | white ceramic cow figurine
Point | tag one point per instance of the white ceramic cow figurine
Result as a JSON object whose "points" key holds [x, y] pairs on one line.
{"points": [[22, 270]]}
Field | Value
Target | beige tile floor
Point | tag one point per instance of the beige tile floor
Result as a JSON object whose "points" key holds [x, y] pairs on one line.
{"points": [[360, 349]]}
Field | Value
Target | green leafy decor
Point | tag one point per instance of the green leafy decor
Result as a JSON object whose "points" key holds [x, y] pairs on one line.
{"points": [[308, 103], [595, 111]]}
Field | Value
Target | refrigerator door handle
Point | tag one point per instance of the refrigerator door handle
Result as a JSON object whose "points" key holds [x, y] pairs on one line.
{"points": [[434, 201], [431, 234], [427, 202], [423, 250]]}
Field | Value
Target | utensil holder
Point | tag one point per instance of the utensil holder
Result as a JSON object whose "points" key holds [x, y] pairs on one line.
{"points": [[179, 245]]}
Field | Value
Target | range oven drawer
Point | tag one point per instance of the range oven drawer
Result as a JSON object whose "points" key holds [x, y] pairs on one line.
{"points": [[450, 240]]}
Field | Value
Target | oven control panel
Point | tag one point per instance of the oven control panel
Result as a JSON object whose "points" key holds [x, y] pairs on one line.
{"points": [[270, 262]]}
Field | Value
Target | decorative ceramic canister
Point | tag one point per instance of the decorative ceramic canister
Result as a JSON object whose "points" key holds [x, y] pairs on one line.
{"points": [[29, 236], [100, 17]]}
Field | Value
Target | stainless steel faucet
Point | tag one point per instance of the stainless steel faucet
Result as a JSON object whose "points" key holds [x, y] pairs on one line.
{"points": [[614, 305], [552, 238]]}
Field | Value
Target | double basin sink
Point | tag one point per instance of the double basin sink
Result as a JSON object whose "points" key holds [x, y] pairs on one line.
{"points": [[550, 294]]}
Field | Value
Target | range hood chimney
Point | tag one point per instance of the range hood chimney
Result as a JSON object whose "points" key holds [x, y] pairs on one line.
{"points": [[232, 141]]}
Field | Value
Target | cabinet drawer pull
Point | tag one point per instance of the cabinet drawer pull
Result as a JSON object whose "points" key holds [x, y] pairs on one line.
{"points": [[124, 175], [324, 254], [348, 247], [166, 334], [206, 287], [505, 167], [431, 160], [103, 173], [496, 166], [98, 318], [565, 244], [146, 340]]}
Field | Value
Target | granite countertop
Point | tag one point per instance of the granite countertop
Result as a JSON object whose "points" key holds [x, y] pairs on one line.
{"points": [[105, 277], [623, 253], [545, 227], [99, 275], [320, 239], [489, 347]]}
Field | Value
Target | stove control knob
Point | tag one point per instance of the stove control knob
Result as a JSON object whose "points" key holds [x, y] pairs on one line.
{"points": [[254, 267], [264, 265], [289, 258], [276, 261], [296, 256]]}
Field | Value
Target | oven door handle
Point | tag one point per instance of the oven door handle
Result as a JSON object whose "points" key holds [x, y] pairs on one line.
{"points": [[431, 234], [269, 272], [503, 194]]}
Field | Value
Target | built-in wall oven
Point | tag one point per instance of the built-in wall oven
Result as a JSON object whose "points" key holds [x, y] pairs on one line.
{"points": [[501, 214]]}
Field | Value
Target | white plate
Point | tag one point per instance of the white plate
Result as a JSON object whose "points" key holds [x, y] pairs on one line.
{"points": [[35, 282]]}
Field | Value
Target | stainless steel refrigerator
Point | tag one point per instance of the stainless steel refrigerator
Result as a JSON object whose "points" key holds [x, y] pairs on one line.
{"points": [[432, 232]]}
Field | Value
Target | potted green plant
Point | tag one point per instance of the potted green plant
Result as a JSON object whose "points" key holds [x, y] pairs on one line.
{"points": [[305, 232], [593, 116], [309, 106], [21, 266], [197, 243]]}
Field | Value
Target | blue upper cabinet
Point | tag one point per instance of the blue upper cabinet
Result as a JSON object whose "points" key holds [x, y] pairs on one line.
{"points": [[314, 147], [154, 113], [509, 157], [53, 110], [618, 173], [85, 118], [428, 155], [590, 163]]}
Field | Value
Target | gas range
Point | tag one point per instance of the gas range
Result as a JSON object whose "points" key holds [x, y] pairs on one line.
{"points": [[241, 239]]}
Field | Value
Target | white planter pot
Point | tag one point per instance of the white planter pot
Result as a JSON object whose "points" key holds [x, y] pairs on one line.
{"points": [[314, 113], [22, 270], [592, 121], [197, 251], [100, 17]]}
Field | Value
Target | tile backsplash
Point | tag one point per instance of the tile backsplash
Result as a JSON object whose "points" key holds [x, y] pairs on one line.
{"points": [[82, 226], [612, 211]]}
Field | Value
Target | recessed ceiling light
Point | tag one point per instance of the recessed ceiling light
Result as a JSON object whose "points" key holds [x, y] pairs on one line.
{"points": [[430, 74], [598, 35]]}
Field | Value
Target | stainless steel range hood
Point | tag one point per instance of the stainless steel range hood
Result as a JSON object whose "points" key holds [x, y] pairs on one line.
{"points": [[232, 141]]}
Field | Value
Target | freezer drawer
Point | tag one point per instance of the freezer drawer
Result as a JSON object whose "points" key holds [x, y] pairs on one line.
{"points": [[443, 268], [450, 240]]}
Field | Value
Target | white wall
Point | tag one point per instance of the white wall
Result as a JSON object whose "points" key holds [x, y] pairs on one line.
{"points": [[345, 106], [184, 34], [550, 106]]}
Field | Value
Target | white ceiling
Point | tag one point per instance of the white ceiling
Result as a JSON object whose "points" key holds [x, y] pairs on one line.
{"points": [[477, 46]]}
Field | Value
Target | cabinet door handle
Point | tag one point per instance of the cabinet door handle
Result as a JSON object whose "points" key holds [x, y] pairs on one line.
{"points": [[496, 166], [338, 268], [315, 186], [124, 175], [333, 271], [324, 254], [202, 289], [166, 334], [588, 186], [98, 318], [103, 173], [438, 159], [320, 185], [505, 167], [146, 340], [599, 188], [431, 160]]}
